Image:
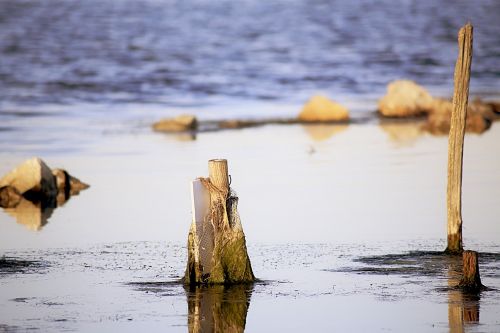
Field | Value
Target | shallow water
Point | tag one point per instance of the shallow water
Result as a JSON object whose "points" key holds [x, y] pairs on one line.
{"points": [[131, 286], [326, 197], [343, 222]]}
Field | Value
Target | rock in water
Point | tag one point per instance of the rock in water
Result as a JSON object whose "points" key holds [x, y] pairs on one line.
{"points": [[67, 183], [32, 176], [405, 99], [227, 259], [321, 109], [178, 124], [33, 180], [479, 117]]}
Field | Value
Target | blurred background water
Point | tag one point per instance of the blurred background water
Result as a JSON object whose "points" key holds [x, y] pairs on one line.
{"points": [[198, 53]]}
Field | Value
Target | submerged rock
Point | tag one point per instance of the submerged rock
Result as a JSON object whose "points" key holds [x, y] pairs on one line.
{"points": [[178, 124], [405, 98], [479, 117], [322, 109], [495, 107]]}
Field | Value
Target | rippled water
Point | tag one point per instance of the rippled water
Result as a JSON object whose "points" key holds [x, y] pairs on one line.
{"points": [[199, 52]]}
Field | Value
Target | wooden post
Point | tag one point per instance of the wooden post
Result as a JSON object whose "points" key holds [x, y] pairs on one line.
{"points": [[471, 281], [218, 174], [456, 140], [217, 252]]}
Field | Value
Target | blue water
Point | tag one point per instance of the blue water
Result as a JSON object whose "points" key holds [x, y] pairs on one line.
{"points": [[199, 53]]}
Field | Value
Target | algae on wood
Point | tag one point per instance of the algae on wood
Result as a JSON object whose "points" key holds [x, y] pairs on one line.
{"points": [[217, 252]]}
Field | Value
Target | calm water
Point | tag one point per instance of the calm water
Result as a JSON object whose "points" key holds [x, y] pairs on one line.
{"points": [[125, 286], [82, 81], [327, 197]]}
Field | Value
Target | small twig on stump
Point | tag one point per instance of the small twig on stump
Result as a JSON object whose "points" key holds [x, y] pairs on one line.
{"points": [[456, 140], [471, 281]]}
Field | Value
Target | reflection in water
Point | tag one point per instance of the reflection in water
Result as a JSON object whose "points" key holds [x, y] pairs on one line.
{"points": [[321, 132], [213, 309], [404, 134], [34, 214], [185, 137], [30, 214], [463, 308]]}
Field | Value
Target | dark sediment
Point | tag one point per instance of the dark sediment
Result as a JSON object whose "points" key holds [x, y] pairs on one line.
{"points": [[13, 266]]}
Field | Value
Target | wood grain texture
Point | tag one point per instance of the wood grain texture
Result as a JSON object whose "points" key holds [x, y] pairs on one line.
{"points": [[456, 139], [471, 280], [218, 174]]}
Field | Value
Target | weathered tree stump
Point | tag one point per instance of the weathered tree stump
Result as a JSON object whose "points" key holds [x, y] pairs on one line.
{"points": [[456, 140], [217, 252], [471, 281]]}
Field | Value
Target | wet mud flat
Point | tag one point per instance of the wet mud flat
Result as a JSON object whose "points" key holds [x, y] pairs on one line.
{"points": [[135, 285], [13, 266]]}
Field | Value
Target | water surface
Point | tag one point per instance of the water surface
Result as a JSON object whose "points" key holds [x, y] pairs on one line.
{"points": [[196, 52], [344, 223], [314, 201]]}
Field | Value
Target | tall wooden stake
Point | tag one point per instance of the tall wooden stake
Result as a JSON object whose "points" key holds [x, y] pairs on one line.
{"points": [[456, 140]]}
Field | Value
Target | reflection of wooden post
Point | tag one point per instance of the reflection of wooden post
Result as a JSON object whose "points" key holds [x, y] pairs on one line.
{"points": [[471, 281], [456, 139], [218, 174], [455, 298], [471, 311], [218, 308], [463, 307]]}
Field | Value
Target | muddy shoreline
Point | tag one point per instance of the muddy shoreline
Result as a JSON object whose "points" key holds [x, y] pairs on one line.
{"points": [[294, 275]]}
